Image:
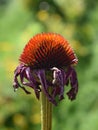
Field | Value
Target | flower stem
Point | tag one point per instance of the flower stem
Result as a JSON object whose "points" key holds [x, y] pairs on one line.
{"points": [[46, 113]]}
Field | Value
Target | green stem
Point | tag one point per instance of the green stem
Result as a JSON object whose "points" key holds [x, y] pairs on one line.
{"points": [[46, 113]]}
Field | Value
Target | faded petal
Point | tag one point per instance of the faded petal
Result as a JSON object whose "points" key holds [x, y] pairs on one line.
{"points": [[58, 82], [41, 75], [74, 85], [32, 81]]}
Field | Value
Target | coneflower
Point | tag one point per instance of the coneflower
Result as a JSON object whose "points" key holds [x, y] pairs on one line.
{"points": [[47, 65]]}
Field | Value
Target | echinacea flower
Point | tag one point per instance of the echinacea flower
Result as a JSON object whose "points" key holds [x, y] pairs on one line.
{"points": [[47, 62]]}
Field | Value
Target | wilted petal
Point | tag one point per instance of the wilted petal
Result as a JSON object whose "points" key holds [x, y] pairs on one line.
{"points": [[74, 85], [58, 81], [32, 82], [16, 74], [67, 75], [41, 75]]}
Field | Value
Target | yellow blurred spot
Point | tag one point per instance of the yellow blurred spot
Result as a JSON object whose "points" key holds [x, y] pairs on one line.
{"points": [[35, 118], [5, 46], [42, 15], [19, 120]]}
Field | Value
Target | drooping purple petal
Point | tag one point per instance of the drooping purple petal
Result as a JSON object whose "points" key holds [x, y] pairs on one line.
{"points": [[58, 81], [62, 85], [32, 82], [16, 83], [23, 72], [74, 85], [67, 75], [25, 76], [16, 74], [41, 75]]}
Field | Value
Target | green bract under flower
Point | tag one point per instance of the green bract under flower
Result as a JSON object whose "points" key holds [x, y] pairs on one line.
{"points": [[47, 61]]}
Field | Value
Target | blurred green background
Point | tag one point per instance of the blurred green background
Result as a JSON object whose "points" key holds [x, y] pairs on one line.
{"points": [[77, 21]]}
